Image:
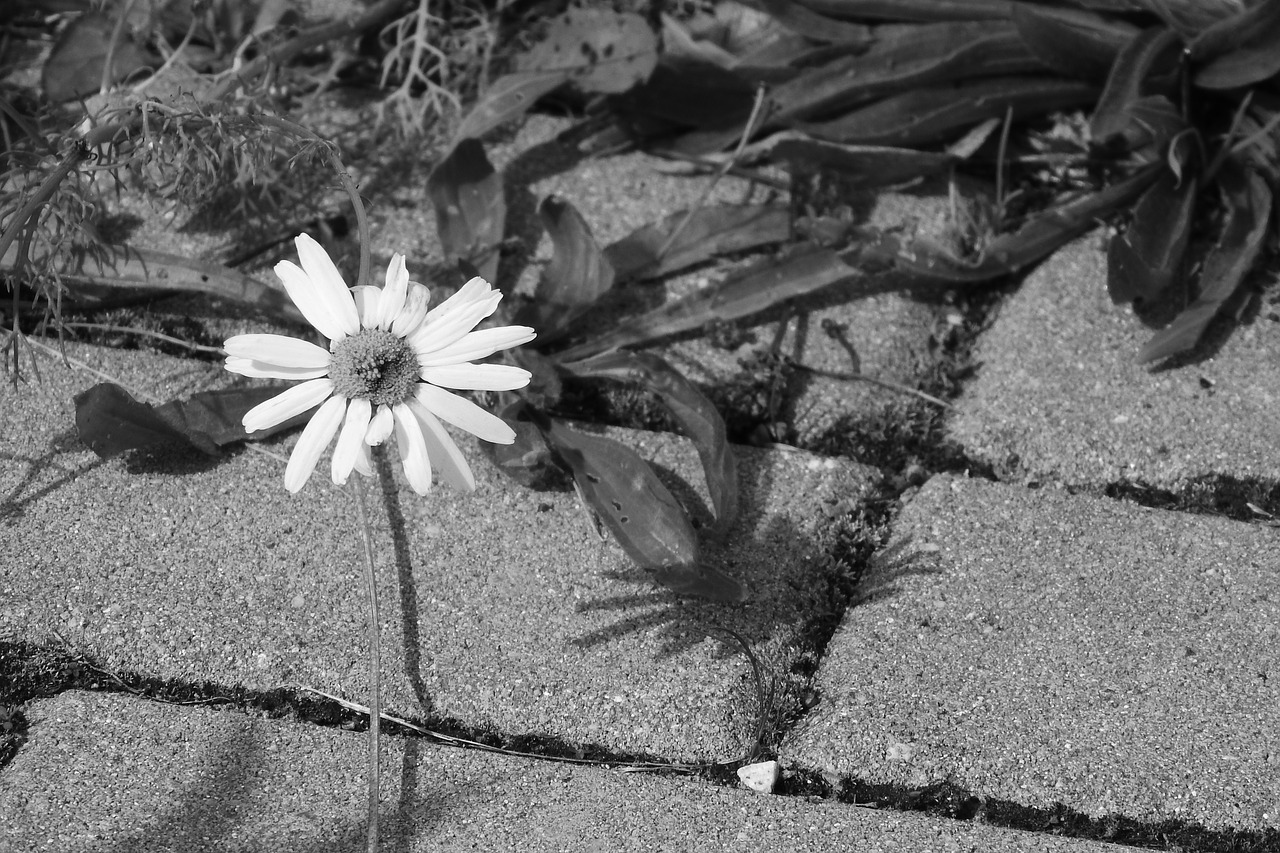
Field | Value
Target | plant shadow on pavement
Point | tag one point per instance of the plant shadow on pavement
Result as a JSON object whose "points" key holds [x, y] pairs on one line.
{"points": [[208, 813]]}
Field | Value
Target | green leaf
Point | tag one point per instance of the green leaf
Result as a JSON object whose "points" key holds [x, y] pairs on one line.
{"points": [[928, 115], [604, 51], [1253, 54], [110, 420], [1149, 54], [1074, 42], [528, 459], [1248, 201], [867, 166], [578, 275], [467, 196], [903, 59], [509, 97], [1255, 25], [812, 25], [1147, 258], [74, 67], [641, 513], [710, 231], [1008, 253], [914, 10], [757, 288], [695, 414]]}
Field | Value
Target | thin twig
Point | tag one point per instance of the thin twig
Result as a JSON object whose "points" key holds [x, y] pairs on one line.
{"points": [[858, 377], [375, 661], [747, 130], [348, 185]]}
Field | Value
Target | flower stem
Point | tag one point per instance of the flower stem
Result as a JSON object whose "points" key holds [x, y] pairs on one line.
{"points": [[375, 661]]}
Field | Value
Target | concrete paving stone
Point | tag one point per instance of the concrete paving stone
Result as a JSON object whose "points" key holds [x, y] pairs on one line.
{"points": [[1061, 396], [112, 773], [1042, 648], [501, 608]]}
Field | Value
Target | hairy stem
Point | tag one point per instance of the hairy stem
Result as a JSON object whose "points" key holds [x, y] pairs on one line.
{"points": [[375, 662]]}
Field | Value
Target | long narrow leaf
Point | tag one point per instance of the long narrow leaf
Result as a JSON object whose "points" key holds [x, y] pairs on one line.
{"points": [[510, 96], [1248, 201], [709, 232], [1012, 252], [577, 276], [748, 292], [914, 10], [1147, 258], [908, 58], [1074, 42], [470, 209], [641, 513], [866, 166], [1147, 54], [1253, 57], [695, 414], [928, 115], [1253, 24]]}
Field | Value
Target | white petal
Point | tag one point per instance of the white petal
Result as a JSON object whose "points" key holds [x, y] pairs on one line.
{"points": [[479, 344], [346, 453], [437, 333], [367, 297], [415, 310], [315, 438], [474, 290], [328, 284], [465, 414], [393, 295], [262, 370], [285, 405], [413, 449], [280, 350], [442, 450], [477, 377], [380, 426], [364, 461], [305, 295]]}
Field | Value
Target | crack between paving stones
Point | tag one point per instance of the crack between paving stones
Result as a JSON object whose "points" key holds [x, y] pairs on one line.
{"points": [[29, 672]]}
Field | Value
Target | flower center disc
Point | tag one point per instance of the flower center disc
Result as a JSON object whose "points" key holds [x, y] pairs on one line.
{"points": [[374, 364]]}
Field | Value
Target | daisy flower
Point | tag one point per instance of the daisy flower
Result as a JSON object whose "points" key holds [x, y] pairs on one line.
{"points": [[389, 364]]}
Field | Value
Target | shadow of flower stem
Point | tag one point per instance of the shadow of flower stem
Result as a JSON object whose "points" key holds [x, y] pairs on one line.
{"points": [[375, 658]]}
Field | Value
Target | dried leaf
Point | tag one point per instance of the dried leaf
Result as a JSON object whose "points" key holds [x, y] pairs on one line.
{"points": [[467, 196], [695, 414], [604, 51], [146, 269], [710, 231], [110, 420], [1248, 201]]}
